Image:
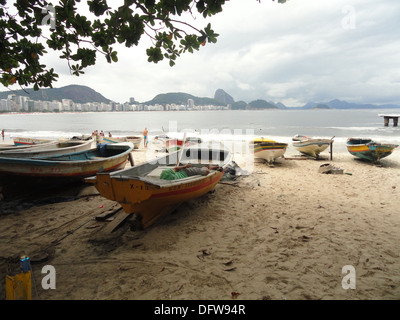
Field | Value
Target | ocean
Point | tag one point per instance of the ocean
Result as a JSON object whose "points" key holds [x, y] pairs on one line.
{"points": [[243, 125]]}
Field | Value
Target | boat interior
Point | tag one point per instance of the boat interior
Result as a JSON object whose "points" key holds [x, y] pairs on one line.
{"points": [[359, 141], [150, 171]]}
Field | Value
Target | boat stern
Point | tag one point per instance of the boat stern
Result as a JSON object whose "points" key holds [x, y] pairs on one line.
{"points": [[103, 184]]}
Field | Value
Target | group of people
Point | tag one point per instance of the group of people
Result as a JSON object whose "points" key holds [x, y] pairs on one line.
{"points": [[96, 133]]}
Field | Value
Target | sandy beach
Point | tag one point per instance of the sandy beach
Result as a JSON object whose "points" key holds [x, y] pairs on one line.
{"points": [[282, 232]]}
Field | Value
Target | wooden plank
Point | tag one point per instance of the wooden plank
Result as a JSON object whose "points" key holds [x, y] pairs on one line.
{"points": [[105, 215], [109, 228]]}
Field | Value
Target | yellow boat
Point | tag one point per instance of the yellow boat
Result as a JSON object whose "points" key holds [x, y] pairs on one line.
{"points": [[140, 190], [267, 149]]}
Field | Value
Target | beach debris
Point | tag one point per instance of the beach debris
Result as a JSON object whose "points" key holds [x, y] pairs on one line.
{"points": [[228, 263], [233, 171], [230, 269], [40, 256], [234, 294], [305, 238], [275, 228], [204, 252], [137, 245], [93, 226], [329, 168]]}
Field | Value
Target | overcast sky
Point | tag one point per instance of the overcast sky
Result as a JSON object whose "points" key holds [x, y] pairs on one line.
{"points": [[294, 53]]}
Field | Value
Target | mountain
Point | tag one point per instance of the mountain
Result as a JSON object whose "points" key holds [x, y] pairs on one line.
{"points": [[76, 93], [84, 94], [239, 105], [221, 96], [339, 104], [260, 104], [181, 98]]}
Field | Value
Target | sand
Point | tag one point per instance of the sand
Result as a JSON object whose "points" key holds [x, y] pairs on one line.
{"points": [[283, 232]]}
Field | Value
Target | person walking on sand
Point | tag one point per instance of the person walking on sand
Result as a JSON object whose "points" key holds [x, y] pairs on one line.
{"points": [[145, 132], [2, 134]]}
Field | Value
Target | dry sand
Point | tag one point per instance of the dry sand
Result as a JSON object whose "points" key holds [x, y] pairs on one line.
{"points": [[283, 232]]}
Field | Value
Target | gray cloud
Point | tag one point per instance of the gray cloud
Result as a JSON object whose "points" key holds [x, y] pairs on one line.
{"points": [[301, 51]]}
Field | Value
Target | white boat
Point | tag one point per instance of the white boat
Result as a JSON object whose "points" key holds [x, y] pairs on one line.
{"points": [[311, 146], [135, 140], [22, 141], [59, 147]]}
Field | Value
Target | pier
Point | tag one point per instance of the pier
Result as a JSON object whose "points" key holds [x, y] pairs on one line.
{"points": [[387, 117]]}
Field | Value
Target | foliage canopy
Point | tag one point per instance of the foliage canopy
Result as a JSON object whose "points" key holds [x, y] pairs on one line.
{"points": [[25, 36]]}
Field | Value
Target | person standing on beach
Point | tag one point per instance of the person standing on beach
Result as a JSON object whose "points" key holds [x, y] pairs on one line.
{"points": [[145, 132], [2, 134]]}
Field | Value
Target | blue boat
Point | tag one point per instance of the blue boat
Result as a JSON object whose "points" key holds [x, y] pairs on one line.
{"points": [[367, 149]]}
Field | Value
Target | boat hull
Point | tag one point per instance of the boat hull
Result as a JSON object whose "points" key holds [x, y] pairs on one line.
{"points": [[173, 145], [21, 141], [369, 150], [312, 147], [135, 140], [74, 166], [268, 150], [44, 150], [142, 193]]}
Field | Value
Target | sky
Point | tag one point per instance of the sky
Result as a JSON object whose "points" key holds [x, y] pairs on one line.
{"points": [[294, 53]]}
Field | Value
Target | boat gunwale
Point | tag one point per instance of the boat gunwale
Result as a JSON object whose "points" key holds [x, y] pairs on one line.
{"points": [[151, 165]]}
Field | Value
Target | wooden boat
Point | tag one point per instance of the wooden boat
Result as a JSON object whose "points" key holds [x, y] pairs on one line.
{"points": [[158, 143], [267, 149], [368, 149], [311, 146], [68, 167], [135, 140], [174, 144], [50, 149], [29, 141], [140, 190], [17, 145]]}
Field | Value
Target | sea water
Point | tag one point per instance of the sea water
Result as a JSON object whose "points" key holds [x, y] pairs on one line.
{"points": [[229, 125]]}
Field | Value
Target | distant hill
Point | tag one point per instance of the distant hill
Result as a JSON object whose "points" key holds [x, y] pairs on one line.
{"points": [[181, 98], [261, 104], [84, 94], [76, 93], [339, 104], [221, 96], [239, 105]]}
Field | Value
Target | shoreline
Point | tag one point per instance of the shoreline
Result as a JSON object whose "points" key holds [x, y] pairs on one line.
{"points": [[283, 232]]}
